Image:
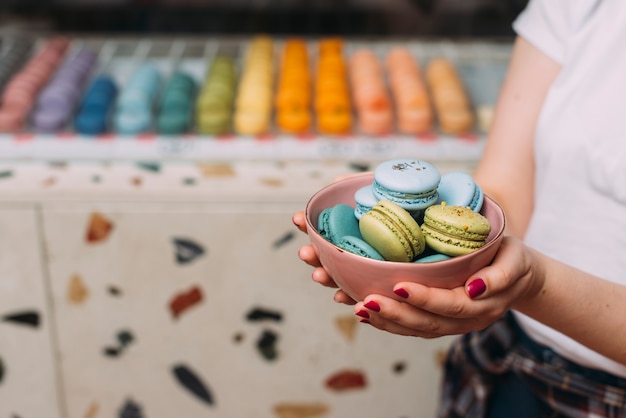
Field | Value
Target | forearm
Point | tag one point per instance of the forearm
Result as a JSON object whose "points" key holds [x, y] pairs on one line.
{"points": [[584, 307], [506, 169]]}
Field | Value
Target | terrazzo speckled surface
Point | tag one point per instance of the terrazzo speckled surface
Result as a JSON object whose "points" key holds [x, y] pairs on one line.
{"points": [[150, 289]]}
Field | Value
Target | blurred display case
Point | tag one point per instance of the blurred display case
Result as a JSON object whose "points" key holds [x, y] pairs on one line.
{"points": [[481, 65], [157, 276]]}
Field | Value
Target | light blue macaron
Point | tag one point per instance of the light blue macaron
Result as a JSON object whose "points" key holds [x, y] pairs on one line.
{"points": [[408, 182], [357, 246], [338, 221], [365, 200], [433, 258], [132, 122], [459, 189]]}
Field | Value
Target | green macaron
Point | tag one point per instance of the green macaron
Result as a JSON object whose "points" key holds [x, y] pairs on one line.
{"points": [[392, 231], [454, 230]]}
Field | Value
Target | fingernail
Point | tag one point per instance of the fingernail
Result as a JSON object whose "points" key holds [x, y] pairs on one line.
{"points": [[476, 288], [401, 292], [363, 314], [373, 306], [364, 321]]}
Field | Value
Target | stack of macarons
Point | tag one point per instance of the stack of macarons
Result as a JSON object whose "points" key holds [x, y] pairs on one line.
{"points": [[134, 110], [293, 92], [94, 111], [333, 106], [415, 185], [214, 105], [13, 54], [20, 94], [451, 102], [369, 92], [253, 106], [175, 108], [402, 217], [56, 104], [414, 114]]}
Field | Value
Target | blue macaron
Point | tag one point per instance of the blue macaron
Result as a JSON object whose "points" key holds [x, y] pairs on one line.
{"points": [[459, 189], [357, 246], [410, 183], [431, 258], [365, 200], [338, 221]]}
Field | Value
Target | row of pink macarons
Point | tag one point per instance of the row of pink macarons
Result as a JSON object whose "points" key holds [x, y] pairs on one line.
{"points": [[21, 92]]}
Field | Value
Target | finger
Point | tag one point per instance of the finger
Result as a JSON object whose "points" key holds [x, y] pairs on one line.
{"points": [[321, 276], [379, 317], [299, 220], [449, 303], [436, 317], [342, 297], [308, 254], [509, 272]]}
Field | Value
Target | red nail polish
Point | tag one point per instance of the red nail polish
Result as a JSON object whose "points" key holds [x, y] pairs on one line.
{"points": [[373, 306], [363, 314], [364, 321], [476, 288], [401, 292]]}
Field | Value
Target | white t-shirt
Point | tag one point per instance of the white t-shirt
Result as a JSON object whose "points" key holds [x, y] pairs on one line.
{"points": [[580, 150]]}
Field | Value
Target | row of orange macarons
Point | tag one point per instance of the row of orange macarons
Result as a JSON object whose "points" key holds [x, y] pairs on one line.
{"points": [[368, 93]]}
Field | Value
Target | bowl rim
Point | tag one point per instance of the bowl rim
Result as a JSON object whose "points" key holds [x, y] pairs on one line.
{"points": [[357, 176]]}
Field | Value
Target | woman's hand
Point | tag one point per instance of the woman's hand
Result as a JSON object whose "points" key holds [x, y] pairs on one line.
{"points": [[432, 312], [308, 254]]}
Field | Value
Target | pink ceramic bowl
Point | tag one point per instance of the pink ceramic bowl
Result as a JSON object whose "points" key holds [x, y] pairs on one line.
{"points": [[360, 276]]}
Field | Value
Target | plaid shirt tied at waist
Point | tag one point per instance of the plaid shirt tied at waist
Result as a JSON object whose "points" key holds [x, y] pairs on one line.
{"points": [[562, 387]]}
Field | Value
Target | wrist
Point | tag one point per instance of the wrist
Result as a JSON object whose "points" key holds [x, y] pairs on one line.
{"points": [[535, 281]]}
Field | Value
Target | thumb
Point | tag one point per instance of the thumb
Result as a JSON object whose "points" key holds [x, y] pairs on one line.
{"points": [[475, 287]]}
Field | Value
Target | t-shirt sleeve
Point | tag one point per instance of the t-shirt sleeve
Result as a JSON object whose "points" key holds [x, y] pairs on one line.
{"points": [[544, 24], [551, 25]]}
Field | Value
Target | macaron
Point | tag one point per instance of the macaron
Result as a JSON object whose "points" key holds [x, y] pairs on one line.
{"points": [[93, 113], [392, 231], [358, 246], [459, 189], [432, 258], [338, 221], [407, 182], [365, 200], [454, 230]]}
